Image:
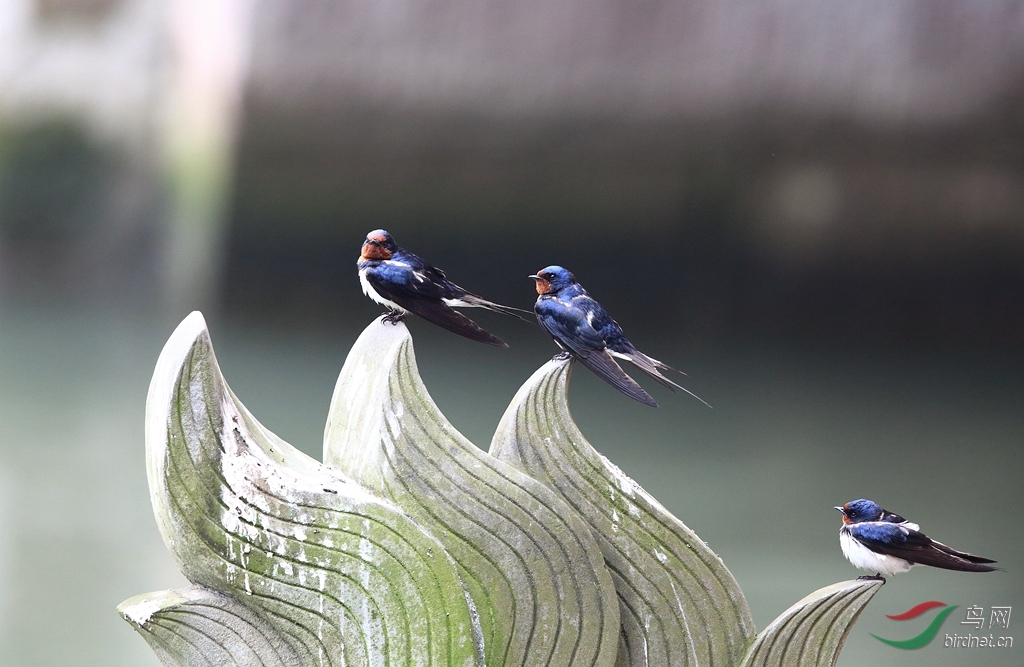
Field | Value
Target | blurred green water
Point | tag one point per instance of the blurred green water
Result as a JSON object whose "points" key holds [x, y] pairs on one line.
{"points": [[792, 433]]}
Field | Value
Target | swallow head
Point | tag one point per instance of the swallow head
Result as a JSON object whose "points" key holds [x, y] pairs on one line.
{"points": [[552, 279], [858, 511], [378, 245]]}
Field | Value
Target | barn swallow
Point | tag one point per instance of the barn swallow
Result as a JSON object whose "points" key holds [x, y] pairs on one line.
{"points": [[585, 331], [877, 540], [404, 283]]}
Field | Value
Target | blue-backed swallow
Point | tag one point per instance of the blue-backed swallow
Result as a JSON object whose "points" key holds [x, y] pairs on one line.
{"points": [[404, 283], [879, 541], [585, 331]]}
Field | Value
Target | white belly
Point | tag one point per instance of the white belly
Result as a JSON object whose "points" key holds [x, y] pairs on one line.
{"points": [[372, 293], [866, 559]]}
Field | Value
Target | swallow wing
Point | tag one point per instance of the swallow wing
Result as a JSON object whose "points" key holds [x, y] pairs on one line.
{"points": [[620, 346], [570, 327], [898, 540], [439, 313], [417, 278], [603, 366], [423, 298], [653, 367]]}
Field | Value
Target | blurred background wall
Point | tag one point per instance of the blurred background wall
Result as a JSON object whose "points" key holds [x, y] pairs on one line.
{"points": [[117, 131], [814, 208], [788, 169]]}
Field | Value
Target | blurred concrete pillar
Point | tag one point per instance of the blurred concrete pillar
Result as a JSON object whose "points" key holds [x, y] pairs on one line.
{"points": [[199, 118], [117, 130]]}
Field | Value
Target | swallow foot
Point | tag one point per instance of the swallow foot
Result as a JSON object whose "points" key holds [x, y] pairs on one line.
{"points": [[392, 317], [561, 356], [872, 577]]}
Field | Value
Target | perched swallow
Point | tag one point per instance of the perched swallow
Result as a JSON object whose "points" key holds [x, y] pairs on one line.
{"points": [[877, 540], [403, 282], [585, 331]]}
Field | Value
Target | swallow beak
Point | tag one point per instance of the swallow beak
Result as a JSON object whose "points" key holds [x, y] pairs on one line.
{"points": [[534, 276], [840, 508]]}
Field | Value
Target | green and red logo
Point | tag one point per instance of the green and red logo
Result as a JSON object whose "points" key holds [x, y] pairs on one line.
{"points": [[928, 633]]}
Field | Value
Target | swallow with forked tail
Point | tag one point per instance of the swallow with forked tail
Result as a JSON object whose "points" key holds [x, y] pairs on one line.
{"points": [[879, 541], [405, 283], [585, 331]]}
